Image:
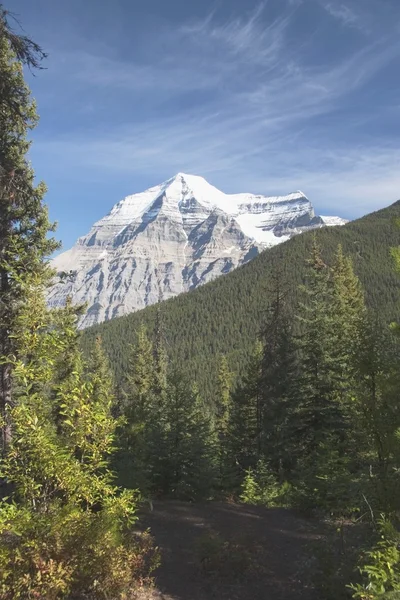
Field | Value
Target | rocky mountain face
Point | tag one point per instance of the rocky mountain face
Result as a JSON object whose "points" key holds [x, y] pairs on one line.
{"points": [[170, 239]]}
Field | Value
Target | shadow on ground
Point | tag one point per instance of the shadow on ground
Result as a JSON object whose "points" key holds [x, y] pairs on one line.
{"points": [[230, 552]]}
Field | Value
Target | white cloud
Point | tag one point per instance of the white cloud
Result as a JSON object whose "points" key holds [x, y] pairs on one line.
{"points": [[345, 15], [258, 116]]}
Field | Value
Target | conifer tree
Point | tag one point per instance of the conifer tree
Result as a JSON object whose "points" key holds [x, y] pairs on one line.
{"points": [[139, 405], [184, 464], [223, 407], [246, 416], [99, 373], [140, 376], [24, 223], [318, 421], [349, 311], [160, 355], [223, 394], [278, 376]]}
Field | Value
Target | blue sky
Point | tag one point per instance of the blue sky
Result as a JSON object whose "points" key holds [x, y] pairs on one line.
{"points": [[266, 97]]}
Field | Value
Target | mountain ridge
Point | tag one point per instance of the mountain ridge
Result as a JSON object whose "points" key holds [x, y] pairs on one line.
{"points": [[172, 238]]}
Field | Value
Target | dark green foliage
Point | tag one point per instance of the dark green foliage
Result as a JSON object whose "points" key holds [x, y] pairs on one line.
{"points": [[245, 427], [24, 224], [166, 445], [185, 461], [224, 316], [318, 420]]}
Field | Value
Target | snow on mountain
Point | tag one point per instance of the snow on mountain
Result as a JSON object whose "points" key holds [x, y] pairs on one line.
{"points": [[172, 238]]}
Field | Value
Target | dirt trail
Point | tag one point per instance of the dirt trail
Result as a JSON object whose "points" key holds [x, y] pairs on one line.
{"points": [[260, 556]]}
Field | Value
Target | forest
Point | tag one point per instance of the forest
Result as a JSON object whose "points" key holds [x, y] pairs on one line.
{"points": [[276, 386], [224, 316]]}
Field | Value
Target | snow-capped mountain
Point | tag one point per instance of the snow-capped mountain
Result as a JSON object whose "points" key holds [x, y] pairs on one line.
{"points": [[170, 239]]}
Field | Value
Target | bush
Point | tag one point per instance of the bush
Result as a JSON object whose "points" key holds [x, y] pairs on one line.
{"points": [[381, 567], [69, 553], [260, 487]]}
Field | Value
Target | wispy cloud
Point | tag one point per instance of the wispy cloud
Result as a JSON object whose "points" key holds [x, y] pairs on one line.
{"points": [[245, 39], [336, 180], [345, 15], [247, 102]]}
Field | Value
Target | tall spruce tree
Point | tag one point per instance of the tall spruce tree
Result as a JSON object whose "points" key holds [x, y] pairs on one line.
{"points": [[223, 407], [24, 224], [184, 465], [139, 411], [317, 421], [278, 375], [99, 373], [160, 354], [245, 431], [348, 312]]}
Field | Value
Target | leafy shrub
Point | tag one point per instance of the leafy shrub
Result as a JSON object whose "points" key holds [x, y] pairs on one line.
{"points": [[381, 567], [67, 530], [67, 552]]}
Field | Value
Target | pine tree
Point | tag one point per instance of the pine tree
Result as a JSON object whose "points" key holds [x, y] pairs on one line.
{"points": [[277, 377], [349, 312], [184, 465], [318, 421], [99, 373], [223, 407], [262, 402], [160, 355], [139, 404], [245, 439], [377, 410], [223, 395], [139, 380], [24, 223]]}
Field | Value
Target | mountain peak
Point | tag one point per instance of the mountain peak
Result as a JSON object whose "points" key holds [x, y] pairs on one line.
{"points": [[172, 238]]}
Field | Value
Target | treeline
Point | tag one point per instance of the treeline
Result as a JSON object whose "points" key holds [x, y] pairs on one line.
{"points": [[315, 422], [223, 316]]}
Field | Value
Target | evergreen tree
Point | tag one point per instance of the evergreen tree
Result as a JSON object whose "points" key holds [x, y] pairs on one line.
{"points": [[262, 403], [184, 463], [223, 394], [378, 412], [318, 421], [246, 417], [139, 378], [349, 311], [160, 355], [223, 406], [277, 378], [24, 223], [100, 375], [139, 411]]}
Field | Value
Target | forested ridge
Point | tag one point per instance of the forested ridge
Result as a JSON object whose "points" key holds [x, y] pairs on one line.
{"points": [[224, 316]]}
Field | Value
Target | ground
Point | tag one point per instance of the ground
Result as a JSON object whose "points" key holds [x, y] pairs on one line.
{"points": [[228, 551]]}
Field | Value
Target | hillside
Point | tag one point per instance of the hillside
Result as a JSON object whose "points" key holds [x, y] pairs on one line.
{"points": [[224, 316]]}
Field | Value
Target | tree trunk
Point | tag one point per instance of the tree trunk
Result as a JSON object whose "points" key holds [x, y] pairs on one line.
{"points": [[5, 405]]}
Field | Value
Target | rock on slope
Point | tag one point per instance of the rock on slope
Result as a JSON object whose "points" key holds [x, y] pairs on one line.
{"points": [[170, 239]]}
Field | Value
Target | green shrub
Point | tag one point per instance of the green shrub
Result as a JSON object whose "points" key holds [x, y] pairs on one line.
{"points": [[381, 567], [260, 487]]}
